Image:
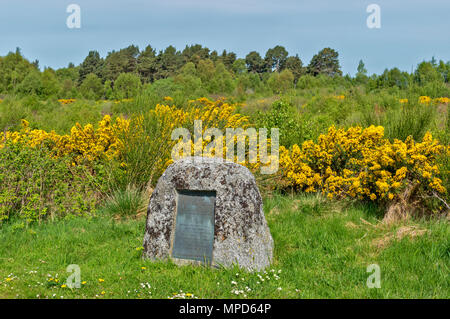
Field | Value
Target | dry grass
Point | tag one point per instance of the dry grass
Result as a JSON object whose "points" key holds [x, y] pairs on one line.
{"points": [[404, 231]]}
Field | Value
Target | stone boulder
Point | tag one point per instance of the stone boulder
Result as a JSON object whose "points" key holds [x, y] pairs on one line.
{"points": [[241, 234]]}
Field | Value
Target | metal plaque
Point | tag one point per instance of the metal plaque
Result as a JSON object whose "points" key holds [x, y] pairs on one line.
{"points": [[194, 229]]}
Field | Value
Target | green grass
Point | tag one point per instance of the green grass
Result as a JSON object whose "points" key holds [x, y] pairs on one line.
{"points": [[321, 248]]}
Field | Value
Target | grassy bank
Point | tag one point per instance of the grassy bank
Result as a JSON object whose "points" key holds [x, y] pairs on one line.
{"points": [[322, 250]]}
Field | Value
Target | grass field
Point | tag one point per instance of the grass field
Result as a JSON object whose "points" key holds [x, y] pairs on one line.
{"points": [[322, 250]]}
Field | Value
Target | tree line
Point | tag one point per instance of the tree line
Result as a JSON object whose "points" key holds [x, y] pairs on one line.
{"points": [[123, 73]]}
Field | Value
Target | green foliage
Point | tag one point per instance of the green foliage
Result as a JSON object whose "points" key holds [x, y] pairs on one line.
{"points": [[145, 152], [12, 111], [127, 86], [34, 186], [295, 65], [239, 67], [254, 62], [228, 59], [13, 69], [108, 91], [69, 89], [401, 121], [281, 82], [50, 83], [325, 62], [248, 84], [49, 115], [283, 116], [426, 73], [361, 74], [194, 53], [168, 63], [390, 78], [122, 61], [31, 84], [222, 81], [93, 63], [275, 59], [125, 203], [92, 87], [147, 64], [205, 70], [312, 98]]}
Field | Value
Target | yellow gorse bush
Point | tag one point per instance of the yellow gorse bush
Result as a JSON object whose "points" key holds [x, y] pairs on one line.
{"points": [[361, 163], [428, 100], [66, 101], [83, 142], [355, 162], [424, 99], [107, 140], [213, 114], [441, 100]]}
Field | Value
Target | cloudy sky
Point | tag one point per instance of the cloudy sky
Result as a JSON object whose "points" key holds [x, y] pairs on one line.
{"points": [[411, 30]]}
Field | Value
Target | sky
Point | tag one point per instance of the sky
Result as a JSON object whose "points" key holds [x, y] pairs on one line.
{"points": [[410, 30]]}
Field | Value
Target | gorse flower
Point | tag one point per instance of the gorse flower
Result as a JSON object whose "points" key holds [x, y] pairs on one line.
{"points": [[357, 162], [360, 163], [66, 101]]}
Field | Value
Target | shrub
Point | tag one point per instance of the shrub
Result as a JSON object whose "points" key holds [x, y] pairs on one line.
{"points": [[280, 82], [361, 163], [147, 143], [286, 118], [145, 147], [35, 186], [136, 150], [126, 86], [92, 87]]}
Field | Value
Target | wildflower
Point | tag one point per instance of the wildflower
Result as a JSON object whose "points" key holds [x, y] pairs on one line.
{"points": [[424, 99], [101, 280]]}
